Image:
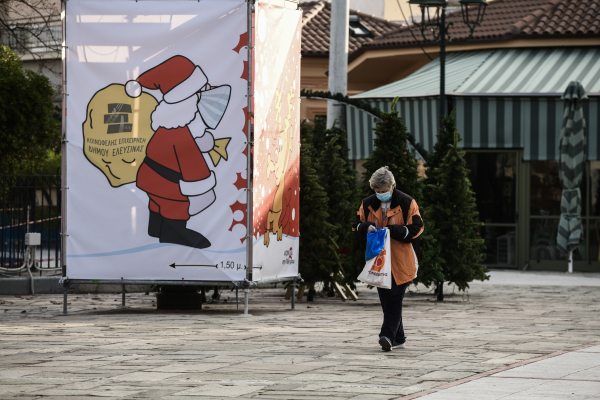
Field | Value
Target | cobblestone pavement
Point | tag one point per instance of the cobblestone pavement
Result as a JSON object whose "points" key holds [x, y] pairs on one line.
{"points": [[325, 348]]}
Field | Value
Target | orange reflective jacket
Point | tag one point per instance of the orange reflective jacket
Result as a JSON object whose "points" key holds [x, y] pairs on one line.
{"points": [[405, 225]]}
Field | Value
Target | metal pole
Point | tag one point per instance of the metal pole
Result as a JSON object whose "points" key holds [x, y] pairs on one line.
{"points": [[443, 65], [293, 295], [65, 302], [249, 161], [123, 296], [246, 290], [570, 271], [338, 59], [63, 221]]}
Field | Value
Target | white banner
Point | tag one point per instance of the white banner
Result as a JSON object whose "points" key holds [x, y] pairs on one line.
{"points": [[276, 209], [155, 126]]}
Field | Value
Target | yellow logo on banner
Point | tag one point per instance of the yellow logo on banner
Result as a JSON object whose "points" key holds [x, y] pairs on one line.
{"points": [[116, 132]]}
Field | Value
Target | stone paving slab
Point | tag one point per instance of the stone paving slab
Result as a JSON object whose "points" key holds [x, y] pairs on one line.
{"points": [[326, 348]]}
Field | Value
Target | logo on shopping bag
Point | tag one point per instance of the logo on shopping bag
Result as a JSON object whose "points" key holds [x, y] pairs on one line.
{"points": [[379, 262]]}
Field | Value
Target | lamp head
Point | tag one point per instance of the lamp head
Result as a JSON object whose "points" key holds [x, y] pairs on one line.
{"points": [[472, 12]]}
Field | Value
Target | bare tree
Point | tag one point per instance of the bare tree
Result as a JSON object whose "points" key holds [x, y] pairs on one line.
{"points": [[32, 28]]}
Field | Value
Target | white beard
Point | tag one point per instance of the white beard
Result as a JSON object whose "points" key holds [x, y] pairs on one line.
{"points": [[176, 115]]}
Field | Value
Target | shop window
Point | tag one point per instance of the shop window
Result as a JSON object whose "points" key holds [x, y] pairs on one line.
{"points": [[493, 178], [546, 190], [500, 244], [594, 188], [543, 241], [594, 235]]}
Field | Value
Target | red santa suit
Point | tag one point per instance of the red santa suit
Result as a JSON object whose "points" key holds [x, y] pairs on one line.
{"points": [[174, 169]]}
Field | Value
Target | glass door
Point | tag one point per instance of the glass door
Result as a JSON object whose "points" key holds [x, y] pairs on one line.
{"points": [[494, 174], [544, 208]]}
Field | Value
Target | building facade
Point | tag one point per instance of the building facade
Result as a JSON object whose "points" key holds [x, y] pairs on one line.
{"points": [[505, 84]]}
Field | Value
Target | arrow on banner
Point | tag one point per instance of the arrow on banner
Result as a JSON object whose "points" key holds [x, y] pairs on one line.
{"points": [[192, 265]]}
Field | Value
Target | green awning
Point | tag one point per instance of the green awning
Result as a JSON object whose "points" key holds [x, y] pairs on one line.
{"points": [[426, 81], [506, 98], [530, 123], [535, 72]]}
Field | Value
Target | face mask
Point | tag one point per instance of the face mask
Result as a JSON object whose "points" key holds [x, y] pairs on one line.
{"points": [[384, 196]]}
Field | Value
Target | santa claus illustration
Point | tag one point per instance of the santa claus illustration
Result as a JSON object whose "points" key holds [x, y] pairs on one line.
{"points": [[174, 174]]}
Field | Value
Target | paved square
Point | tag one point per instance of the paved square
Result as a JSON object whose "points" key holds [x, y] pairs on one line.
{"points": [[324, 349]]}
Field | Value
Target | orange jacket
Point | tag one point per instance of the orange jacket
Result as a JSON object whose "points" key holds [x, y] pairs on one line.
{"points": [[404, 235]]}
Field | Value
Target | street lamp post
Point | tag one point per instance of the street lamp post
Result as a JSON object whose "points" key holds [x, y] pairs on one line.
{"points": [[433, 14]]}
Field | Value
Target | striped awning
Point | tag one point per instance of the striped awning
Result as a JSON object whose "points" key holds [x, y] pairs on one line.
{"points": [[522, 122], [420, 117], [507, 98], [535, 72], [426, 81]]}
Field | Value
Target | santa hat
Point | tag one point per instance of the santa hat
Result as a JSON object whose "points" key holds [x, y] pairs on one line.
{"points": [[177, 78]]}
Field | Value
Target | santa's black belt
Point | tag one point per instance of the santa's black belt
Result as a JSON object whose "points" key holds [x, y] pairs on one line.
{"points": [[163, 171]]}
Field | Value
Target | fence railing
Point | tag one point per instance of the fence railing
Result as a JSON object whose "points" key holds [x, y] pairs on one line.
{"points": [[29, 204], [33, 37]]}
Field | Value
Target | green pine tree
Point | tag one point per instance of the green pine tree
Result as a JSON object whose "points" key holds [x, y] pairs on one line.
{"points": [[318, 256], [431, 271], [320, 135], [391, 151], [452, 206], [338, 178]]}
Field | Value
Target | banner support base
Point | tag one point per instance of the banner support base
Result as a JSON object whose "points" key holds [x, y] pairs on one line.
{"points": [[246, 286], [123, 304], [295, 282], [64, 313]]}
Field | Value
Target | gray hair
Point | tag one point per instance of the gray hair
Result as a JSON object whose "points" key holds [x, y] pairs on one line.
{"points": [[381, 178]]}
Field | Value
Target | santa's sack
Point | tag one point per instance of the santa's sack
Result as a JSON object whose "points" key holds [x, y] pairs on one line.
{"points": [[375, 243], [378, 270]]}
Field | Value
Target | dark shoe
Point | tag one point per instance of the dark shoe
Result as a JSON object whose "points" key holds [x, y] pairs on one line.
{"points": [[175, 231], [398, 346], [154, 224], [386, 344]]}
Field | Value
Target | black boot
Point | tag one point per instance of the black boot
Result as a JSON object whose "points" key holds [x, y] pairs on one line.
{"points": [[154, 224], [175, 231]]}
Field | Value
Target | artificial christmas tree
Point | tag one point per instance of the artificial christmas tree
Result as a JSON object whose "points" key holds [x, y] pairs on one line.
{"points": [[318, 256], [451, 205], [338, 178]]}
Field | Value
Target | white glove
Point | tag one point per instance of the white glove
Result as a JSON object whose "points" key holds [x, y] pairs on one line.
{"points": [[201, 202], [205, 142], [372, 229]]}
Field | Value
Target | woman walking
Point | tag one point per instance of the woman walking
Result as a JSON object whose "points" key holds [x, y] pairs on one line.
{"points": [[397, 211]]}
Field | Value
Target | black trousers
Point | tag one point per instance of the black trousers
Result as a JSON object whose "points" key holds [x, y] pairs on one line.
{"points": [[391, 303]]}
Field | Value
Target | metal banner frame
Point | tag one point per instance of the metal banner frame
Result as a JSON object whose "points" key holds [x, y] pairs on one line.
{"points": [[247, 282]]}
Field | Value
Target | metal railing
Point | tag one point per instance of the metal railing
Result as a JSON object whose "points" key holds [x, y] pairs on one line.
{"points": [[29, 204], [32, 37]]}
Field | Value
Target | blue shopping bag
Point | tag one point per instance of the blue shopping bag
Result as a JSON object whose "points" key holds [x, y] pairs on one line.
{"points": [[375, 243]]}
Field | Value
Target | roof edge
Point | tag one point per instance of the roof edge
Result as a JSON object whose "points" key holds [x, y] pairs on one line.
{"points": [[449, 46]]}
